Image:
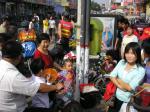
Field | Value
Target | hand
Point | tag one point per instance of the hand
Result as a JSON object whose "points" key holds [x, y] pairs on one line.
{"points": [[59, 86]]}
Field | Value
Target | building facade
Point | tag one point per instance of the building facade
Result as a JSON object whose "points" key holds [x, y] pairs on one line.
{"points": [[25, 7], [135, 7]]}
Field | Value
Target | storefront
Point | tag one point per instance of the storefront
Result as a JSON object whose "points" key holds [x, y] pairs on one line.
{"points": [[2, 7], [25, 8]]}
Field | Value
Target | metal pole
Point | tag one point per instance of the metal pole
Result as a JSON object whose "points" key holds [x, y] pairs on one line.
{"points": [[86, 59], [82, 40], [82, 61], [78, 73]]}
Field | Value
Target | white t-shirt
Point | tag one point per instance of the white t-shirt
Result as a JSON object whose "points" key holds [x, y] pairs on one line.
{"points": [[14, 87], [52, 23], [40, 99], [127, 39]]}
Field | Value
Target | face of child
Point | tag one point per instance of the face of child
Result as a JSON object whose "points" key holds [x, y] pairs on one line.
{"points": [[129, 31], [44, 45], [69, 76], [68, 66], [130, 57]]}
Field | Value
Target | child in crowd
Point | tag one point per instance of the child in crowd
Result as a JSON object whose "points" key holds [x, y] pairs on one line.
{"points": [[67, 77], [129, 37], [40, 100]]}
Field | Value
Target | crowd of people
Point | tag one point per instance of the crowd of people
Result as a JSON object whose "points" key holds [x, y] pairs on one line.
{"points": [[19, 80], [19, 45], [132, 71]]}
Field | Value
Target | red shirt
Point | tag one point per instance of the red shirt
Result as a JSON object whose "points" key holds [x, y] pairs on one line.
{"points": [[66, 28], [46, 58]]}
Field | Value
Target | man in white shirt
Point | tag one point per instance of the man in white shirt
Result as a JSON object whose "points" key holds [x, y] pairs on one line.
{"points": [[14, 86]]}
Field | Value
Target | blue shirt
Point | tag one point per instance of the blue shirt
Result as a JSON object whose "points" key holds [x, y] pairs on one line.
{"points": [[132, 77]]}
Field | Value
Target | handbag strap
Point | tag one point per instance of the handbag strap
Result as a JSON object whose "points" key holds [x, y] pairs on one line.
{"points": [[140, 91]]}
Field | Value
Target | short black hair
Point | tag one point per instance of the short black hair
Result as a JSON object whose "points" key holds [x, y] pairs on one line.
{"points": [[120, 18], [12, 49], [125, 21], [37, 65], [66, 15], [146, 46], [135, 47], [42, 36]]}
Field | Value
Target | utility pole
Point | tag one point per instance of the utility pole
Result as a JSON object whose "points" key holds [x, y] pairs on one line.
{"points": [[78, 74], [87, 36], [82, 62]]}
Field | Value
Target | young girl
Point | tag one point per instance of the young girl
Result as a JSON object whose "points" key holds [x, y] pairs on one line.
{"points": [[67, 77], [127, 75], [130, 37]]}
